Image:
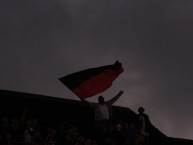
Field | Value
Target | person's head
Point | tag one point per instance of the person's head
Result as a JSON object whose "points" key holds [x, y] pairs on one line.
{"points": [[141, 110], [101, 100]]}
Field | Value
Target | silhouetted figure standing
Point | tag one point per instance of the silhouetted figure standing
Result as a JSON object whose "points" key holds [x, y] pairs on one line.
{"points": [[103, 112], [144, 125], [103, 109]]}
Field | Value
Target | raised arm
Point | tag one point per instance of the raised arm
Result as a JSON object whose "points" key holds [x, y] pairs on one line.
{"points": [[115, 98]]}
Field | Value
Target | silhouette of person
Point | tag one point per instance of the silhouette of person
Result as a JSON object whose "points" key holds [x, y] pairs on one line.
{"points": [[102, 111], [144, 125]]}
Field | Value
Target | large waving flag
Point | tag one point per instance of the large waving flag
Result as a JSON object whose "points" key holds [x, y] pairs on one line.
{"points": [[90, 82]]}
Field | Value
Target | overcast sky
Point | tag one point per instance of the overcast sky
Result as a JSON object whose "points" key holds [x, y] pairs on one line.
{"points": [[42, 40]]}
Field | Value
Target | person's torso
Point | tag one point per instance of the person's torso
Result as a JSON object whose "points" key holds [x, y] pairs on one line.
{"points": [[101, 112]]}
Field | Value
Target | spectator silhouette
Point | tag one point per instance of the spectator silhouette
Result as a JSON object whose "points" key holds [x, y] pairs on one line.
{"points": [[103, 109], [144, 125], [103, 112]]}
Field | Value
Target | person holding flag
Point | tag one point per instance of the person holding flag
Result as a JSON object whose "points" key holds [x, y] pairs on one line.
{"points": [[102, 109], [92, 81], [103, 114]]}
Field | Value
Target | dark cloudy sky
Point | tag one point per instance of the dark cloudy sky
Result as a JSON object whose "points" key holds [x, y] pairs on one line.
{"points": [[41, 40]]}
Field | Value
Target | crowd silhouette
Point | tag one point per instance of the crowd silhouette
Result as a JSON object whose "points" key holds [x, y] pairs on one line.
{"points": [[24, 130], [27, 119]]}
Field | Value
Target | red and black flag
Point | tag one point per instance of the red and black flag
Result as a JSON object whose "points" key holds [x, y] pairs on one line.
{"points": [[90, 82]]}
